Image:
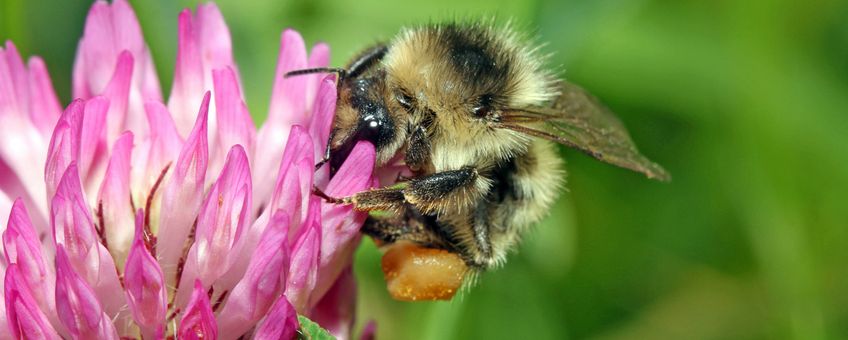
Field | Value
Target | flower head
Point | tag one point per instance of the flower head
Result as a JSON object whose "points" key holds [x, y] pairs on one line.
{"points": [[180, 219]]}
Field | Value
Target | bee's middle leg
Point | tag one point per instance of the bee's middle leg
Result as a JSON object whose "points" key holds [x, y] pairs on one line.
{"points": [[390, 229]]}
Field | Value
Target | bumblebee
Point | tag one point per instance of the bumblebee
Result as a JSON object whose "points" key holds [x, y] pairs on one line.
{"points": [[473, 114]]}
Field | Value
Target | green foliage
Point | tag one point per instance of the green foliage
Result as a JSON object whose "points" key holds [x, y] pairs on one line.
{"points": [[744, 102], [310, 330]]}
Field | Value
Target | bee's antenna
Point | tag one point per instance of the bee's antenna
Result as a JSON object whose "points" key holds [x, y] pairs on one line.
{"points": [[340, 71]]}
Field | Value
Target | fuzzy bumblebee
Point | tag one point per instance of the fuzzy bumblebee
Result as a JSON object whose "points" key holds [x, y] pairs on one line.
{"points": [[474, 115]]}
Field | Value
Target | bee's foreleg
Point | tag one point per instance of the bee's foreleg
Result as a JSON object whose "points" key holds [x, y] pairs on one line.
{"points": [[386, 199], [430, 194], [327, 149], [446, 190]]}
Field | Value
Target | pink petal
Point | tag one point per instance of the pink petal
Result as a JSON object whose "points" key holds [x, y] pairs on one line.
{"points": [[118, 93], [336, 310], [204, 45], [92, 143], [264, 280], [155, 153], [72, 223], [73, 229], [355, 173], [214, 37], [288, 108], [162, 127], [24, 317], [125, 29], [341, 223], [223, 219], [78, 306], [44, 105], [5, 201], [233, 120], [13, 72], [113, 200], [11, 186], [98, 49], [64, 145], [145, 284], [188, 75], [5, 332], [305, 257], [198, 321], [78, 137], [20, 149], [183, 195], [318, 57], [281, 322], [369, 332], [109, 30], [322, 119], [288, 104], [293, 188], [79, 80], [387, 174], [291, 194], [26, 91], [22, 247]]}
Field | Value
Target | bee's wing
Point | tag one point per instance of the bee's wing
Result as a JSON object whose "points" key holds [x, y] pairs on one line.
{"points": [[578, 120]]}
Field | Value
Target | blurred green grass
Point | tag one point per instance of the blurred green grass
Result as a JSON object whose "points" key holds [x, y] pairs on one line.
{"points": [[745, 102]]}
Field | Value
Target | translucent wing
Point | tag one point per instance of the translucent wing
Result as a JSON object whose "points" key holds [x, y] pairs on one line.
{"points": [[578, 120]]}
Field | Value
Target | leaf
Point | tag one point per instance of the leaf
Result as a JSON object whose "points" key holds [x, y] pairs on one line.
{"points": [[310, 330]]}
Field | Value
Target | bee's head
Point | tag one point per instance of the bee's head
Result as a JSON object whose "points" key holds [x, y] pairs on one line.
{"points": [[362, 114], [456, 80]]}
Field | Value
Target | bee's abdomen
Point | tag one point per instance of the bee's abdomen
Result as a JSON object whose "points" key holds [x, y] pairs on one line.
{"points": [[523, 191]]}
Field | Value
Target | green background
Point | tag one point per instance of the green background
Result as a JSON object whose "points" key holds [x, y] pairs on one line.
{"points": [[745, 102]]}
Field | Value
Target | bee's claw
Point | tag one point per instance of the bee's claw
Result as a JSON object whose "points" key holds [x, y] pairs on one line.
{"points": [[321, 163], [328, 198]]}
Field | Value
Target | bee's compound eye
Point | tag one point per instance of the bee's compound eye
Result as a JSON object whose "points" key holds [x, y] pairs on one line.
{"points": [[405, 100], [483, 107]]}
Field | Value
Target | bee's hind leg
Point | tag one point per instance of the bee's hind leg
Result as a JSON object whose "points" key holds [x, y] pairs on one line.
{"points": [[424, 231]]}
